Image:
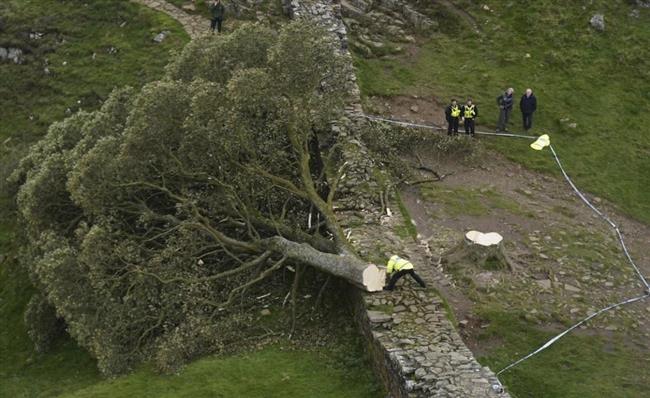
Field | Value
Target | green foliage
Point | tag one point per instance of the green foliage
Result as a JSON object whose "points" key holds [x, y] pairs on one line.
{"points": [[600, 81], [143, 215], [45, 326]]}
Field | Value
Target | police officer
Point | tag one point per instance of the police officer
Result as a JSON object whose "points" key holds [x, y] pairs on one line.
{"points": [[469, 111], [452, 114], [401, 267]]}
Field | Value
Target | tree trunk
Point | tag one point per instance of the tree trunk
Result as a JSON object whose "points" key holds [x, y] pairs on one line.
{"points": [[484, 250], [366, 276]]}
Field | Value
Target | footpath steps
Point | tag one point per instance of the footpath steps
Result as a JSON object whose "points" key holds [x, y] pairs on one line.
{"points": [[194, 25]]}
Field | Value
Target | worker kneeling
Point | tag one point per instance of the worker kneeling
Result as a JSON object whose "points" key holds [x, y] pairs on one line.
{"points": [[401, 267]]}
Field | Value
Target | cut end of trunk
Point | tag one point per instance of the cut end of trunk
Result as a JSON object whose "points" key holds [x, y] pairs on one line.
{"points": [[373, 278], [479, 238]]}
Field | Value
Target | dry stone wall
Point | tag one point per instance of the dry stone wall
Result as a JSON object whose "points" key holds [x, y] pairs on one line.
{"points": [[416, 350]]}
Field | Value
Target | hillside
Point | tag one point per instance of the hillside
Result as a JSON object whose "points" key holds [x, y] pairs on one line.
{"points": [[593, 87], [78, 56]]}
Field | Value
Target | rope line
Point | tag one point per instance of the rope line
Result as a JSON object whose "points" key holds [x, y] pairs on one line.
{"points": [[589, 204]]}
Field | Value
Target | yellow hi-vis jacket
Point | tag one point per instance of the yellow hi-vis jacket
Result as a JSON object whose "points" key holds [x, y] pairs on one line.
{"points": [[397, 264]]}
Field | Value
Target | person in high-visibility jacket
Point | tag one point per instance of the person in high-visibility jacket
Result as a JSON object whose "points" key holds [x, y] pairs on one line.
{"points": [[452, 114], [469, 112], [400, 267]]}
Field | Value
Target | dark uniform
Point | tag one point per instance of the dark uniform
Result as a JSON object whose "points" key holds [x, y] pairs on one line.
{"points": [[469, 113], [528, 106], [452, 114], [505, 108], [217, 10]]}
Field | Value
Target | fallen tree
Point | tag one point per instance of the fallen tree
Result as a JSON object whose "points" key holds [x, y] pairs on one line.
{"points": [[148, 217]]}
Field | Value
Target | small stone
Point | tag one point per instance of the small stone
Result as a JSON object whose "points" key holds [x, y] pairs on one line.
{"points": [[463, 323], [265, 312], [399, 308], [571, 288], [379, 317], [161, 36], [573, 125], [598, 22], [544, 284], [420, 372], [415, 109]]}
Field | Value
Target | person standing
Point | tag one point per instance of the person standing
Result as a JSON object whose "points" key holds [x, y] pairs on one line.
{"points": [[469, 111], [505, 108], [401, 267], [217, 10], [528, 106], [452, 114]]}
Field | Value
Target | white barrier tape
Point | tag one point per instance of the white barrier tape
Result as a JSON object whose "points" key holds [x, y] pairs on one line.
{"points": [[559, 336], [589, 204], [603, 216]]}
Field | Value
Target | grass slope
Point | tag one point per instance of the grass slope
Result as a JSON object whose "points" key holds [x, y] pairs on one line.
{"points": [[118, 33], [577, 366], [601, 81], [269, 373]]}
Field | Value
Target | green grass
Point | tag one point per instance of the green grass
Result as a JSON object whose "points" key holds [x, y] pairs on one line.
{"points": [[577, 366], [601, 81], [75, 31], [469, 202], [408, 230], [269, 373], [23, 373]]}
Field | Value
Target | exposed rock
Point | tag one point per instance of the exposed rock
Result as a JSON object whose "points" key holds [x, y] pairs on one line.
{"points": [[571, 288], [544, 284], [161, 36], [265, 312], [12, 54], [379, 317], [189, 7], [598, 22]]}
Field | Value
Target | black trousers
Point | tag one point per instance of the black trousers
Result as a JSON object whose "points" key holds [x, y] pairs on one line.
{"points": [[216, 23], [528, 120], [400, 274], [469, 126], [504, 117], [452, 125]]}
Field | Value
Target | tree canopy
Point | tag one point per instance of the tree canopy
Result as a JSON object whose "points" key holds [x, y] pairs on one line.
{"points": [[146, 218]]}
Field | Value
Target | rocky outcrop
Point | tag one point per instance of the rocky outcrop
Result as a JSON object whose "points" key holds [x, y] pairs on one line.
{"points": [[11, 54]]}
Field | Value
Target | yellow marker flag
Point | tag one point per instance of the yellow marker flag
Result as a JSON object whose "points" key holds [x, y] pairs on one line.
{"points": [[542, 141]]}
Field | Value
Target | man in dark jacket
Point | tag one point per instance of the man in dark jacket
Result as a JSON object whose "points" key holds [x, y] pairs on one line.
{"points": [[528, 106], [452, 114], [505, 108], [217, 11], [469, 111]]}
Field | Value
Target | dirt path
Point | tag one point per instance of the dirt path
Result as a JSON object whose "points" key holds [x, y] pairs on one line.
{"points": [[194, 25]]}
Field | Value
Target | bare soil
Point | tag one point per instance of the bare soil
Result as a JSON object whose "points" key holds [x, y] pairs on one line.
{"points": [[552, 236]]}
